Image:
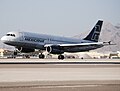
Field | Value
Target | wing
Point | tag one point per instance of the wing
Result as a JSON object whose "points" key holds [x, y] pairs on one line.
{"points": [[81, 44], [77, 47]]}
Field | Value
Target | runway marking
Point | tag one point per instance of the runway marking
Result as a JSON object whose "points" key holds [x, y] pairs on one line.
{"points": [[61, 86], [67, 86], [53, 86], [59, 62]]}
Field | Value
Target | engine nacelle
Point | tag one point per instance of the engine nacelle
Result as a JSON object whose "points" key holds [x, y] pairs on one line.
{"points": [[54, 49], [26, 50]]}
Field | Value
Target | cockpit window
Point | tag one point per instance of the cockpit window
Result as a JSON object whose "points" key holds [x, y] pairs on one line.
{"points": [[11, 35]]}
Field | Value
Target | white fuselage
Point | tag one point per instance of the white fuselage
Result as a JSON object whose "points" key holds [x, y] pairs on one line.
{"points": [[37, 41], [54, 44]]}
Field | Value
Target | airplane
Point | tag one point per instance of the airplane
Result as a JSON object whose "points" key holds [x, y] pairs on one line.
{"points": [[27, 42]]}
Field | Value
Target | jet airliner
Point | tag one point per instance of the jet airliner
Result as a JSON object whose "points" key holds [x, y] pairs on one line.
{"points": [[27, 42]]}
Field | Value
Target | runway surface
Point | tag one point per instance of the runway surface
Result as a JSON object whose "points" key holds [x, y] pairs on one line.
{"points": [[56, 61], [59, 77]]}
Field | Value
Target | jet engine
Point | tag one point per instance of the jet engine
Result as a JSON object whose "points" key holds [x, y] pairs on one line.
{"points": [[55, 49]]}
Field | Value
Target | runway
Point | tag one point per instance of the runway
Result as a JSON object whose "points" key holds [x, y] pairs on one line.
{"points": [[59, 77], [56, 61]]}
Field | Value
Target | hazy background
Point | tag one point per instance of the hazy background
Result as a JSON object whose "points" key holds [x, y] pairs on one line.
{"points": [[56, 17]]}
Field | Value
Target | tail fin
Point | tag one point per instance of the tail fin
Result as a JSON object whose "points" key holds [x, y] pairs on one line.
{"points": [[95, 32]]}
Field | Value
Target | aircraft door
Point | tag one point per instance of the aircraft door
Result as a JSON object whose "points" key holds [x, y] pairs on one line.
{"points": [[21, 36]]}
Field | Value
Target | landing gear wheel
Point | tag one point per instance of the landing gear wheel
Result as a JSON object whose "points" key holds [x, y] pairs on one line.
{"points": [[41, 56], [61, 57], [14, 54]]}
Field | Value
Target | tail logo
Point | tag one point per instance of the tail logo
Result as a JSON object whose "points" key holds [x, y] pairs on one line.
{"points": [[96, 33]]}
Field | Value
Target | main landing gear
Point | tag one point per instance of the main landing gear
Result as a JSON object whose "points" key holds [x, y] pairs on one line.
{"points": [[41, 56], [61, 57]]}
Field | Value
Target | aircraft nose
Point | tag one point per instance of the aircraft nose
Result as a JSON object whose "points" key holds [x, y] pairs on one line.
{"points": [[3, 39]]}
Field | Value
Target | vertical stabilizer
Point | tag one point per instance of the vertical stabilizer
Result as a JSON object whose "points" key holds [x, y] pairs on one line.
{"points": [[95, 32]]}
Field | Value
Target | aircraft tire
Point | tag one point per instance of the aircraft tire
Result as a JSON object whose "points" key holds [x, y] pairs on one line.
{"points": [[61, 57], [41, 56]]}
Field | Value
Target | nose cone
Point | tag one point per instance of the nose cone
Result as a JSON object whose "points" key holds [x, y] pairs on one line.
{"points": [[3, 39]]}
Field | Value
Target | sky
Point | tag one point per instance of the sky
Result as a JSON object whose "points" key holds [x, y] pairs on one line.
{"points": [[56, 17]]}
